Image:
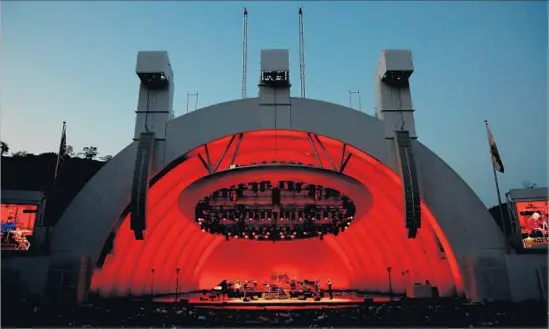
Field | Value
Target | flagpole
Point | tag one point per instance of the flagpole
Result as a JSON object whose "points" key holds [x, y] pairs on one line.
{"points": [[54, 185], [503, 226], [49, 199]]}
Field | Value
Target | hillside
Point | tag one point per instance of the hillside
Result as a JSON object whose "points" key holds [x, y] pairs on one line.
{"points": [[35, 173]]}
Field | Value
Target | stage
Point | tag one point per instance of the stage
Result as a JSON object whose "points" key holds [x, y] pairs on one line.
{"points": [[275, 304]]}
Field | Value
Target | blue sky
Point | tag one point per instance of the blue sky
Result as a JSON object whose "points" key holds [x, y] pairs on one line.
{"points": [[75, 61]]}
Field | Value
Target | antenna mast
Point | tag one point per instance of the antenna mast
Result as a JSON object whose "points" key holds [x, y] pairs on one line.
{"points": [[244, 53], [357, 93], [195, 96], [301, 54]]}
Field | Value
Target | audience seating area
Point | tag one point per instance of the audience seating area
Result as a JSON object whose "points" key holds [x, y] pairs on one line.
{"points": [[419, 313]]}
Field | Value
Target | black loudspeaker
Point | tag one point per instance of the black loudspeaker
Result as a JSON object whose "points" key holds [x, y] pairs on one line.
{"points": [[247, 299], [368, 300], [317, 299], [275, 196], [184, 302]]}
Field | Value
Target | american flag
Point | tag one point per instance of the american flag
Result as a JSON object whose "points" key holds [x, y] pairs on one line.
{"points": [[496, 159]]}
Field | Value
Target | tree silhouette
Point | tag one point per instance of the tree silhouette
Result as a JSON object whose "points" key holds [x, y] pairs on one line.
{"points": [[20, 154], [529, 184], [5, 148], [106, 158], [70, 151], [89, 152]]}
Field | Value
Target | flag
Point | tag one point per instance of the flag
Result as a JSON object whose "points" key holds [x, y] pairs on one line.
{"points": [[62, 151], [496, 159]]}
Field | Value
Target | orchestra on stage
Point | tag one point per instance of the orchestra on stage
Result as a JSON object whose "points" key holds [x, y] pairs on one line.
{"points": [[279, 287]]}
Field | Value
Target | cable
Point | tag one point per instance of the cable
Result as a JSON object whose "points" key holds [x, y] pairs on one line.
{"points": [[399, 108], [147, 113]]}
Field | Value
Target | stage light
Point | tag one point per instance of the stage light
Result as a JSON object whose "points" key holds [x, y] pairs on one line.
{"points": [[328, 215]]}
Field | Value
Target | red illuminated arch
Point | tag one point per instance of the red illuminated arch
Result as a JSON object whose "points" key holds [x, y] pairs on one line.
{"points": [[358, 258]]}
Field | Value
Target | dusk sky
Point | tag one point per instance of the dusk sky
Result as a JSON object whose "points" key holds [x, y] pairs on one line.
{"points": [[75, 61]]}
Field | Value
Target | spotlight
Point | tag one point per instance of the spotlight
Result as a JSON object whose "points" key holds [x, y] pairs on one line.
{"points": [[291, 186], [254, 187]]}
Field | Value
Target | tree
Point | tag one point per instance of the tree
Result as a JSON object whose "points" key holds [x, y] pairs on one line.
{"points": [[106, 158], [529, 184], [5, 148], [89, 152], [20, 154], [70, 151]]}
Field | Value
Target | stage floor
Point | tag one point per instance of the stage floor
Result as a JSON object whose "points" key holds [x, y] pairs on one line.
{"points": [[277, 304]]}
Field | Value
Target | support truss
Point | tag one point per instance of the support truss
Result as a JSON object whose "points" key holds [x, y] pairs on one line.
{"points": [[342, 162], [207, 163], [313, 140]]}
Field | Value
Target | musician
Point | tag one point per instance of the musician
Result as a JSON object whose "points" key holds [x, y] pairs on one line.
{"points": [[245, 287], [7, 230], [536, 226], [237, 289], [317, 287], [330, 292], [293, 285], [224, 289], [21, 240]]}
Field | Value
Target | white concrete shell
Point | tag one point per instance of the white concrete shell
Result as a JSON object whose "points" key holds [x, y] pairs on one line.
{"points": [[465, 221]]}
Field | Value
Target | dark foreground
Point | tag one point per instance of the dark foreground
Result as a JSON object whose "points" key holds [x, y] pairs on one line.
{"points": [[440, 313]]}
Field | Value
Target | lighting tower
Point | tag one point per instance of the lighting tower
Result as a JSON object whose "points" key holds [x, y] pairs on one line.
{"points": [[244, 53], [301, 54]]}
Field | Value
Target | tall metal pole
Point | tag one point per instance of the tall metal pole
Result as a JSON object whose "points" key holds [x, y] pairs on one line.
{"points": [[390, 284], [177, 284], [245, 53], [301, 54], [152, 282], [503, 226]]}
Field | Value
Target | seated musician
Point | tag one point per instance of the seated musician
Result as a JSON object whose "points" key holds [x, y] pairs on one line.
{"points": [[224, 289], [293, 285], [21, 240], [537, 227], [237, 287], [245, 288]]}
